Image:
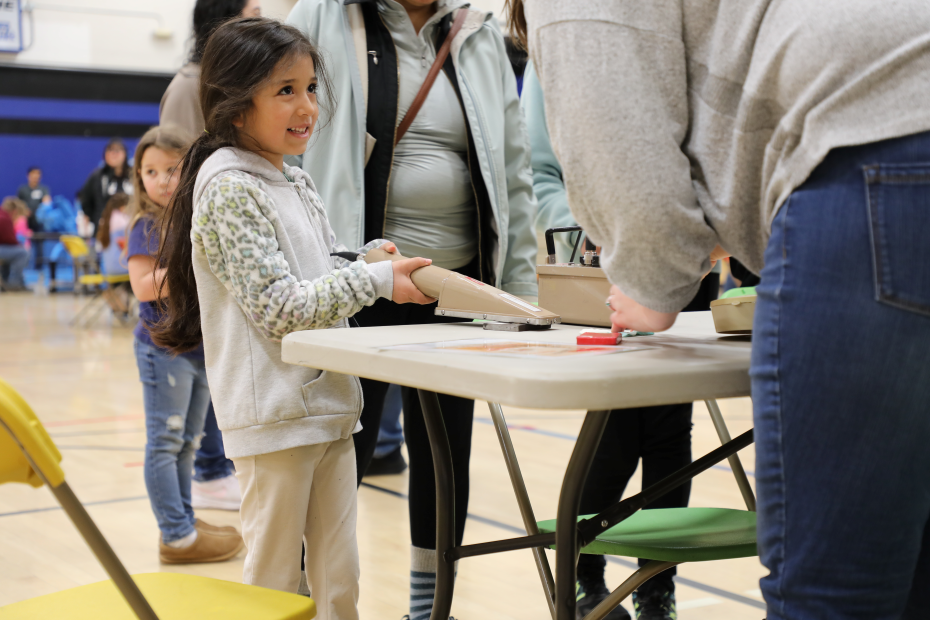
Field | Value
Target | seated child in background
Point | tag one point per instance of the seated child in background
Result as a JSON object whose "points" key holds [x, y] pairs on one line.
{"points": [[111, 234], [111, 237], [13, 256], [21, 226]]}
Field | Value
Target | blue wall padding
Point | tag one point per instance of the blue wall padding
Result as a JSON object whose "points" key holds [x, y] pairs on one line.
{"points": [[71, 110], [66, 161]]}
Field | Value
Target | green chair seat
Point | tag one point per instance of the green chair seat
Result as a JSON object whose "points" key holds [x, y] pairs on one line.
{"points": [[676, 535]]}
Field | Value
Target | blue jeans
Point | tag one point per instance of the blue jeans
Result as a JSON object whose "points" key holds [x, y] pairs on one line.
{"points": [[390, 433], [210, 462], [841, 390], [176, 396], [13, 259]]}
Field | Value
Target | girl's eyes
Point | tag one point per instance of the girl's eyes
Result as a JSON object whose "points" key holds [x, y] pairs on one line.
{"points": [[289, 90]]}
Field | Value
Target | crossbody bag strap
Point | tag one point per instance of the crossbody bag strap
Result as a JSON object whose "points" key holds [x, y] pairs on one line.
{"points": [[431, 76]]}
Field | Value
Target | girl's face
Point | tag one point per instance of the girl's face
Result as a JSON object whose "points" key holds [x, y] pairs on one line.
{"points": [[160, 172], [284, 111]]}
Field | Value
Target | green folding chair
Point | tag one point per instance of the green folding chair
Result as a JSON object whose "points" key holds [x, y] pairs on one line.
{"points": [[671, 536]]}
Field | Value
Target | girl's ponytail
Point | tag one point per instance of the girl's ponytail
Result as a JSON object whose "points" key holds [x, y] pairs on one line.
{"points": [[240, 56]]}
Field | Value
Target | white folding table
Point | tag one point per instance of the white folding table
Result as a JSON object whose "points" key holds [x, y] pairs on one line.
{"points": [[690, 362]]}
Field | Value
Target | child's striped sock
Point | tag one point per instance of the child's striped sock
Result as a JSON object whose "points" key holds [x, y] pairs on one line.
{"points": [[422, 582]]}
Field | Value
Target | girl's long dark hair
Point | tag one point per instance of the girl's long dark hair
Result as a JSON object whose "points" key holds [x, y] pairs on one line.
{"points": [[240, 56]]}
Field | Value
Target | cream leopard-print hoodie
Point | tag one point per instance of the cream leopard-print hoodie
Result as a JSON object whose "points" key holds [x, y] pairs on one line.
{"points": [[261, 255]]}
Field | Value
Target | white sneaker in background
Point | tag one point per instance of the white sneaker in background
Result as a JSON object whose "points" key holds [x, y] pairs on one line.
{"points": [[219, 494]]}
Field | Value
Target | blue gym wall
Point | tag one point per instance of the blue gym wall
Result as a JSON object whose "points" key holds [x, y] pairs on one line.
{"points": [[60, 121]]}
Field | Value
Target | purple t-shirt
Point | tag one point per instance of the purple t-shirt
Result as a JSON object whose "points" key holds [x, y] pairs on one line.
{"points": [[143, 240]]}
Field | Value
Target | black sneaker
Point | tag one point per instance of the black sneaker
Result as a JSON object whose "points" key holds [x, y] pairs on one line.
{"points": [[655, 600], [389, 465], [589, 595]]}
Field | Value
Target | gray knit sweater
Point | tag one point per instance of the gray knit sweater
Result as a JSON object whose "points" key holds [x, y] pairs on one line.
{"points": [[681, 124]]}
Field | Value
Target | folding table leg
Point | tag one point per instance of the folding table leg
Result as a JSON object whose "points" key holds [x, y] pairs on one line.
{"points": [[566, 535], [735, 464], [445, 503], [523, 501]]}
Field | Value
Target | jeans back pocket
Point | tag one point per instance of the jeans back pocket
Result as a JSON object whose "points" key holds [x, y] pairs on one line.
{"points": [[899, 216]]}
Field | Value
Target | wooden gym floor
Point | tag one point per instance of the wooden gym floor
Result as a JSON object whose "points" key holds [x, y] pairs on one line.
{"points": [[84, 386]]}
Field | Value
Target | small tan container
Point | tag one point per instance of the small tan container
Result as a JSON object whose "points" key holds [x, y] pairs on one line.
{"points": [[576, 293], [734, 315]]}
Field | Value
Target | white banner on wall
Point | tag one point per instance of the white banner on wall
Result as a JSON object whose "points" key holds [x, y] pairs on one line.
{"points": [[11, 26]]}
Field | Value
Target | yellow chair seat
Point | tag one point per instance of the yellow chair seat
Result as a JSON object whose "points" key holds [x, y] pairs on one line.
{"points": [[173, 596], [92, 279]]}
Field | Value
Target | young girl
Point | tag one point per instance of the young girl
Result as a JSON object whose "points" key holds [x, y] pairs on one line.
{"points": [[263, 266], [175, 388]]}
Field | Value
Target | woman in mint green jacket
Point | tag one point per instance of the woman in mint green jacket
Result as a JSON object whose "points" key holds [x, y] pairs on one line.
{"points": [[457, 188]]}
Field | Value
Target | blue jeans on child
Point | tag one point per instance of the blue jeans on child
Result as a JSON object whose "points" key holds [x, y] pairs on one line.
{"points": [[210, 462], [176, 396], [841, 390], [13, 260], [391, 432]]}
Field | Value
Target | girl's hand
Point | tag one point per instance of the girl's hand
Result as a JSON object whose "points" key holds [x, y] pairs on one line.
{"points": [[405, 291], [628, 314]]}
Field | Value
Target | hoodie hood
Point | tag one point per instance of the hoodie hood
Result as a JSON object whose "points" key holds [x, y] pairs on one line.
{"points": [[230, 158]]}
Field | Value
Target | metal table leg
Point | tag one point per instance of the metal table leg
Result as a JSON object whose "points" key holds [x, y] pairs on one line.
{"points": [[735, 464], [566, 536], [523, 501], [445, 503]]}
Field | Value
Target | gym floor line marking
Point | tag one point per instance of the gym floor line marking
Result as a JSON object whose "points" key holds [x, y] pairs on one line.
{"points": [[697, 585], [97, 503], [539, 431]]}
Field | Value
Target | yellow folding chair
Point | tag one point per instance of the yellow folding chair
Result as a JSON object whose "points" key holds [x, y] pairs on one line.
{"points": [[87, 276], [28, 455]]}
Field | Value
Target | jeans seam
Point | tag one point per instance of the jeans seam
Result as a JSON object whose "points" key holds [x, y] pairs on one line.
{"points": [[783, 522]]}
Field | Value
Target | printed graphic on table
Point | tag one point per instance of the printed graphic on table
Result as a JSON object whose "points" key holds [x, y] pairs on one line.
{"points": [[515, 348]]}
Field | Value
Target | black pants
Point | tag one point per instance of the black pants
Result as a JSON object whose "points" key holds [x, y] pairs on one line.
{"points": [[660, 436], [458, 415]]}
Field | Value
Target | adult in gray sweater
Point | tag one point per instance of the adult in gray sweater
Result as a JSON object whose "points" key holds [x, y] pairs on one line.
{"points": [[794, 136]]}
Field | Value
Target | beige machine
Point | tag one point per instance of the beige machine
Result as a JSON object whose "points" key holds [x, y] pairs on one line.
{"points": [[575, 291], [734, 311], [466, 298]]}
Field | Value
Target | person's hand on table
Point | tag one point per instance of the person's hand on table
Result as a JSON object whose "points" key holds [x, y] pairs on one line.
{"points": [[628, 314]]}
